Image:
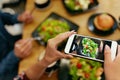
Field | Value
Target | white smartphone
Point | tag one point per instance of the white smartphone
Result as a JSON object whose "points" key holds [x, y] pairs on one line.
{"points": [[89, 47]]}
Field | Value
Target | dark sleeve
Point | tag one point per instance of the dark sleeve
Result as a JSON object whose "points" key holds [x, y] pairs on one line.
{"points": [[8, 63], [8, 18]]}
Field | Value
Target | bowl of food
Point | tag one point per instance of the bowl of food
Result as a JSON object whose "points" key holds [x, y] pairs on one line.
{"points": [[81, 69], [42, 3], [85, 69], [102, 23], [79, 6]]}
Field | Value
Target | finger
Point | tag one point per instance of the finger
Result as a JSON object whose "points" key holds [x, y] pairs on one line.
{"points": [[18, 43], [62, 55], [107, 54], [26, 13], [118, 53], [26, 46], [68, 56], [28, 50], [61, 37], [25, 43], [28, 17], [29, 20]]}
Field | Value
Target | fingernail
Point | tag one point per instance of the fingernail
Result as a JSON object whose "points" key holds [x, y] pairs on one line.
{"points": [[106, 47], [73, 31]]}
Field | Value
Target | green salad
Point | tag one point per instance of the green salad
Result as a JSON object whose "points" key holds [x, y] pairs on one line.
{"points": [[76, 5], [90, 48], [52, 27], [84, 69]]}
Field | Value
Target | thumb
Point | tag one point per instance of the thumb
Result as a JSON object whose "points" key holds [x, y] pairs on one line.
{"points": [[61, 37], [107, 54], [68, 56]]}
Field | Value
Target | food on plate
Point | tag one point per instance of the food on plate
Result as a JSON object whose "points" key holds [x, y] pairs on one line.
{"points": [[78, 4], [84, 69], [52, 27], [90, 47], [103, 22]]}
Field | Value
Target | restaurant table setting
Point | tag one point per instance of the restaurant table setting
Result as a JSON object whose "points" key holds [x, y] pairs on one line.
{"points": [[100, 24]]}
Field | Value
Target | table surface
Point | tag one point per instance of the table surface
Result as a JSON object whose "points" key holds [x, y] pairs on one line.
{"points": [[56, 6]]}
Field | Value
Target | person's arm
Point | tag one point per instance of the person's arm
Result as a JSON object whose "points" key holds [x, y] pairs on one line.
{"points": [[112, 68], [51, 55], [10, 19], [22, 49], [11, 61], [8, 63], [36, 71]]}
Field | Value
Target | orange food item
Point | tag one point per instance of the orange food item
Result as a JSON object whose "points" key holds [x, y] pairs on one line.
{"points": [[103, 22]]}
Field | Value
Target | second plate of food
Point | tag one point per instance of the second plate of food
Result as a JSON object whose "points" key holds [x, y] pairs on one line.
{"points": [[79, 6], [81, 69], [52, 26], [102, 24]]}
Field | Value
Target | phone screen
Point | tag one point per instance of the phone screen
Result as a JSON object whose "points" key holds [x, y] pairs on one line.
{"points": [[88, 47]]}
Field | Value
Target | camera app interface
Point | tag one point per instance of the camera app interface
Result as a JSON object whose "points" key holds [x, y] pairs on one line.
{"points": [[89, 47]]}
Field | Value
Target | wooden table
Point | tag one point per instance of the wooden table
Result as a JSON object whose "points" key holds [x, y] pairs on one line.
{"points": [[110, 6]]}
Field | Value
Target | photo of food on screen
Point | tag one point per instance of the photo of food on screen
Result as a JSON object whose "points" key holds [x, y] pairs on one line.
{"points": [[88, 47]]}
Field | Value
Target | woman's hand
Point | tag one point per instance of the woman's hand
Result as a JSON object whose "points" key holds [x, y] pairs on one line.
{"points": [[112, 68], [25, 17], [52, 54], [23, 48]]}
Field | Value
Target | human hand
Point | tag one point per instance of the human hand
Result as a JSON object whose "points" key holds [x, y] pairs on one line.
{"points": [[52, 54], [23, 48], [112, 68], [25, 17]]}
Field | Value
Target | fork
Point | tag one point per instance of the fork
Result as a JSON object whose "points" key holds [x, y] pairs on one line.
{"points": [[37, 38]]}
